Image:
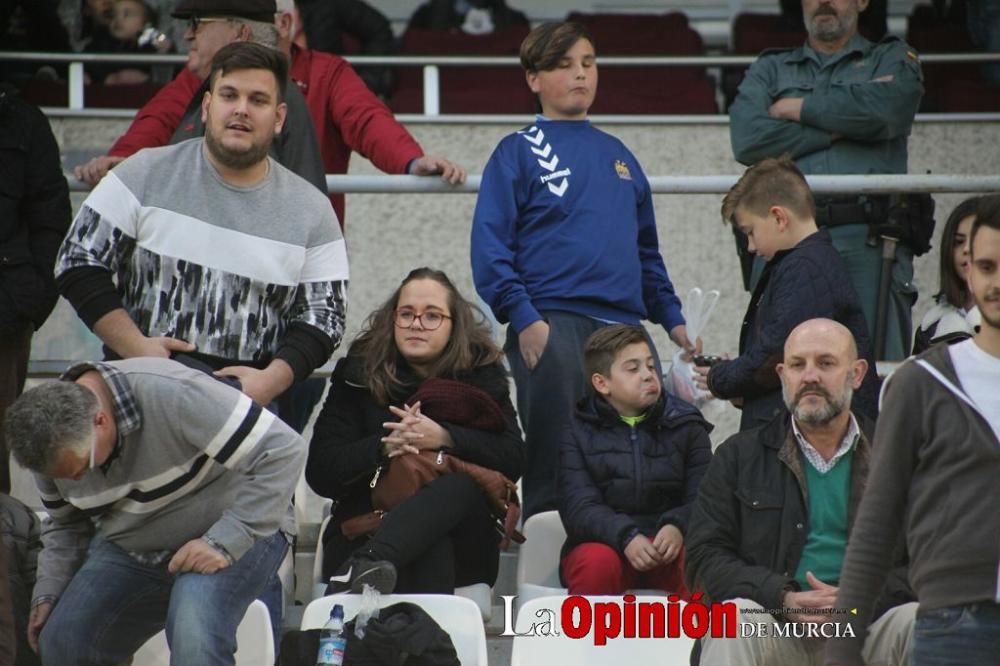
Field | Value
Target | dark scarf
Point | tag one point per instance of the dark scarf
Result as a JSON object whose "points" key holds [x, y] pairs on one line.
{"points": [[458, 402]]}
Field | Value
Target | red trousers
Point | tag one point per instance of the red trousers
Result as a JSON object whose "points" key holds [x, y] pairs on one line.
{"points": [[596, 568]]}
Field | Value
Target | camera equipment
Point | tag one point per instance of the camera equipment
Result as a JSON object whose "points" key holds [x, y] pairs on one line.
{"points": [[706, 360]]}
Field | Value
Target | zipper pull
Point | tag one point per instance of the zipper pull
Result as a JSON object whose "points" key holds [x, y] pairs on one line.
{"points": [[440, 458], [378, 470]]}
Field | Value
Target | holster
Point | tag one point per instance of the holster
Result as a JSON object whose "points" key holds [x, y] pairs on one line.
{"points": [[911, 220], [908, 218]]}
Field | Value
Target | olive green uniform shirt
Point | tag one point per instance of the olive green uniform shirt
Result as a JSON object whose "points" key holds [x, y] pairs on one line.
{"points": [[857, 112]]}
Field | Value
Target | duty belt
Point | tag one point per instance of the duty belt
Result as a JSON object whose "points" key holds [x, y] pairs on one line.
{"points": [[838, 211]]}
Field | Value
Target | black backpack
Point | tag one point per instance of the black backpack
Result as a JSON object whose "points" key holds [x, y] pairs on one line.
{"points": [[402, 635]]}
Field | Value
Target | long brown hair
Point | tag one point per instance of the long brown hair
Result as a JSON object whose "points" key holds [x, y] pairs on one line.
{"points": [[954, 290], [469, 346]]}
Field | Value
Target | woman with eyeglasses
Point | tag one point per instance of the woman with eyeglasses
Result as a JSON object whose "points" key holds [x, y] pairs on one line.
{"points": [[423, 374]]}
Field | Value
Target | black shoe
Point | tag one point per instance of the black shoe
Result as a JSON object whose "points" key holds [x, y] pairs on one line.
{"points": [[380, 574]]}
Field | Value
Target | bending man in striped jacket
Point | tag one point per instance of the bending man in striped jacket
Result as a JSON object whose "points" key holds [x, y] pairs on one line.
{"points": [[170, 501]]}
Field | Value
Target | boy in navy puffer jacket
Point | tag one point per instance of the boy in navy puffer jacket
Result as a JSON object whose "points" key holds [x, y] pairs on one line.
{"points": [[630, 465]]}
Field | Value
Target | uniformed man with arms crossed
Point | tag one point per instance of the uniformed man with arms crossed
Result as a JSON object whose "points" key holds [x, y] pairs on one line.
{"points": [[840, 104]]}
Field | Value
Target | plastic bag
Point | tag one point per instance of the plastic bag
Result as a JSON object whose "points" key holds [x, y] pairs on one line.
{"points": [[678, 380], [370, 598]]}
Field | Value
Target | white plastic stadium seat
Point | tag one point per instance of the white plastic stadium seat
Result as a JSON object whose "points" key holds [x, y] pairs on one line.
{"points": [[481, 594], [538, 559], [319, 583], [254, 642], [546, 650], [456, 615]]}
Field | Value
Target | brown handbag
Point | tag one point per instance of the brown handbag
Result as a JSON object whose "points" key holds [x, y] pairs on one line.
{"points": [[408, 473], [361, 525], [456, 402]]}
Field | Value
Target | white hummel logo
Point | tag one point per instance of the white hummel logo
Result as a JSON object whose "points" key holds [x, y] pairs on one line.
{"points": [[537, 140], [551, 164], [543, 152], [536, 137], [560, 189]]}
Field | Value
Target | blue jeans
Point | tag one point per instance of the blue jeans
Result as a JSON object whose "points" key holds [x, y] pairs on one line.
{"points": [[114, 604], [957, 636]]}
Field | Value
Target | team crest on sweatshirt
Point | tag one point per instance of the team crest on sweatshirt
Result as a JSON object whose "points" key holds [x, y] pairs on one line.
{"points": [[622, 169], [548, 160]]}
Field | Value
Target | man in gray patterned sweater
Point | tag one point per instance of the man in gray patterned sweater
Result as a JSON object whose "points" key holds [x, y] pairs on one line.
{"points": [[170, 501], [217, 250]]}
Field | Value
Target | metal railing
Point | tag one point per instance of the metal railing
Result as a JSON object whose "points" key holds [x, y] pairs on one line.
{"points": [[382, 184], [431, 66], [867, 184]]}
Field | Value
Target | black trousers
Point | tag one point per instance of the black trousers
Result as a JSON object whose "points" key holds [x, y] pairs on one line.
{"points": [[15, 348], [546, 395], [439, 539]]}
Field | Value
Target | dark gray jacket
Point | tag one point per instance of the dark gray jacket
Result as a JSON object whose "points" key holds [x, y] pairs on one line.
{"points": [[933, 479], [751, 519], [19, 533]]}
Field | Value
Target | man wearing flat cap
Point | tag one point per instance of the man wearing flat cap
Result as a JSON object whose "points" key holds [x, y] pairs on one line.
{"points": [[346, 116]]}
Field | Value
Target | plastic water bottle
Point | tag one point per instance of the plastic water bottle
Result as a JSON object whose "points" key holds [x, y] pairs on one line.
{"points": [[332, 641]]}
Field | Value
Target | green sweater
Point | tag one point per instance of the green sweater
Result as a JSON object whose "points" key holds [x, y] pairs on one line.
{"points": [[827, 541]]}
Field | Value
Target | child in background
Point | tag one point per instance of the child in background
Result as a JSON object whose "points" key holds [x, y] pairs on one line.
{"points": [[564, 241], [805, 278], [630, 465], [953, 315], [130, 31]]}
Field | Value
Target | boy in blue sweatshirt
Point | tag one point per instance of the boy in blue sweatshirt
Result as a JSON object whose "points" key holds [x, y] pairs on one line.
{"points": [[564, 242], [630, 464]]}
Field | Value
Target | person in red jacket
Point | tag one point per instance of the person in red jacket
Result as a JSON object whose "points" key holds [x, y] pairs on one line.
{"points": [[346, 114]]}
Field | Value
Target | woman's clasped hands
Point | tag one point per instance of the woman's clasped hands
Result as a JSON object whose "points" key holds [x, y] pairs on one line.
{"points": [[413, 432]]}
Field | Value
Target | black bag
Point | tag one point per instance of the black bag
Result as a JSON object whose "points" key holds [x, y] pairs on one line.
{"points": [[402, 635], [911, 220]]}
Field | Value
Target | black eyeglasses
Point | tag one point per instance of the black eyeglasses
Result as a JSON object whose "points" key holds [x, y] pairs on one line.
{"points": [[195, 21], [430, 320]]}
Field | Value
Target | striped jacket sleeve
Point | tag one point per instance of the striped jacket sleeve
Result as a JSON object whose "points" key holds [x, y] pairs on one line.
{"points": [[66, 535], [248, 440]]}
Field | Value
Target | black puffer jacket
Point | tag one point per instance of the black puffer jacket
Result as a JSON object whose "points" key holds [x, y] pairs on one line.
{"points": [[34, 213], [614, 478]]}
